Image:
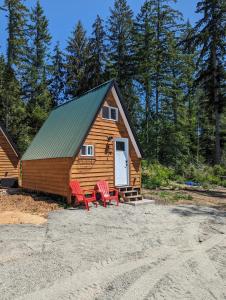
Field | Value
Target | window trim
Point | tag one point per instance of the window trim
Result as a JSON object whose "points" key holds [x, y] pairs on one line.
{"points": [[87, 155], [109, 113]]}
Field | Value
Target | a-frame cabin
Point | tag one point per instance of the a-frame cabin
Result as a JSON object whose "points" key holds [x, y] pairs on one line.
{"points": [[88, 139], [9, 156]]}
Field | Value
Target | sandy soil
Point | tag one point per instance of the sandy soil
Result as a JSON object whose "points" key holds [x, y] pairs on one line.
{"points": [[145, 252], [17, 217], [17, 207]]}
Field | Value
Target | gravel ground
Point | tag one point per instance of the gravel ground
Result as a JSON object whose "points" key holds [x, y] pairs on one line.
{"points": [[145, 252]]}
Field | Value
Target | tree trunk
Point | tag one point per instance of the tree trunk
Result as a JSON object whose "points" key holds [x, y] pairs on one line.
{"points": [[157, 81], [217, 136], [216, 108], [147, 107], [158, 58]]}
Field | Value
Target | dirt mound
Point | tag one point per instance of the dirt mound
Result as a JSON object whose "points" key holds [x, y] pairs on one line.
{"points": [[17, 207]]}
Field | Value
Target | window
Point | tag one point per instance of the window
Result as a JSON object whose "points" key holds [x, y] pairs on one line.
{"points": [[120, 146], [105, 112], [110, 113], [87, 150]]}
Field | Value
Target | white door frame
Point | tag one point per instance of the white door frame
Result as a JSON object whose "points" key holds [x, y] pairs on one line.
{"points": [[126, 141]]}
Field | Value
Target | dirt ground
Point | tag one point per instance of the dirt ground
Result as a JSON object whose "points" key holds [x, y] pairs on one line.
{"points": [[214, 197], [17, 207], [145, 252]]}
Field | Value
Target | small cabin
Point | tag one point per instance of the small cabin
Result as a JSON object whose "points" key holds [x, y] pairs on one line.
{"points": [[88, 139], [9, 158]]}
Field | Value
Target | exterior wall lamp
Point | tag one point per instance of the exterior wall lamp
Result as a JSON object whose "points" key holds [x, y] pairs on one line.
{"points": [[109, 138]]}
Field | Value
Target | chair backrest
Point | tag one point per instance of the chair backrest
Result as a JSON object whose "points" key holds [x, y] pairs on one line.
{"points": [[76, 189], [103, 187]]}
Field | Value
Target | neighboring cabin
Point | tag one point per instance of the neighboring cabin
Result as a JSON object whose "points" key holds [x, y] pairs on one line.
{"points": [[88, 139], [9, 156]]}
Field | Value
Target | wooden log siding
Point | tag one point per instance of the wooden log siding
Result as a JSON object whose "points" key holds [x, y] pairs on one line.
{"points": [[89, 170], [8, 159], [47, 175]]}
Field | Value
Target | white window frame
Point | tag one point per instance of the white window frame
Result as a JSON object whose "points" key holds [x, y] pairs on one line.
{"points": [[109, 111], [87, 154]]}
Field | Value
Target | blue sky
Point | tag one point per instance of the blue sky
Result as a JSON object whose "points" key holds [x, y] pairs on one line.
{"points": [[64, 14]]}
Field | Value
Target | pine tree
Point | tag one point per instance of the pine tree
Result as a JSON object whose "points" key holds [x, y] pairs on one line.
{"points": [[97, 60], [120, 63], [36, 75], [57, 81], [174, 144], [209, 37], [12, 108], [16, 27], [143, 41], [190, 93], [41, 38], [156, 29], [77, 62], [120, 41], [2, 71]]}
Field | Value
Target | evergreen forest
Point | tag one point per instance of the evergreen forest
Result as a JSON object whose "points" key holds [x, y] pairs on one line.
{"points": [[171, 75]]}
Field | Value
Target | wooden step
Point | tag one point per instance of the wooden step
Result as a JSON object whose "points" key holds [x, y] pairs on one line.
{"points": [[124, 188], [129, 193], [133, 198], [137, 189]]}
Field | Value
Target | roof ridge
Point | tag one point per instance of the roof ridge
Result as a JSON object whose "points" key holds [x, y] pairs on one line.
{"points": [[83, 94]]}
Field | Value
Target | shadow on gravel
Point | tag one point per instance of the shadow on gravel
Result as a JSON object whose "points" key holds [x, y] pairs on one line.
{"points": [[185, 211]]}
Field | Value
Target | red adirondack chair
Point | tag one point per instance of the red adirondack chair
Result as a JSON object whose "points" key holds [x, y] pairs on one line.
{"points": [[81, 196], [106, 193]]}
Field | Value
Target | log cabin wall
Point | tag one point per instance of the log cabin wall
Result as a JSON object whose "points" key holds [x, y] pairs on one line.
{"points": [[88, 170], [47, 175], [8, 159]]}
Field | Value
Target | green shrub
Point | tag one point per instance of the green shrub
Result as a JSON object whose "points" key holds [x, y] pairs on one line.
{"points": [[223, 183], [219, 170], [155, 175], [204, 174]]}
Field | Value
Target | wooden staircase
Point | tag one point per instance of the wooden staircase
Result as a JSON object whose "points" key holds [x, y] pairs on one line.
{"points": [[129, 193]]}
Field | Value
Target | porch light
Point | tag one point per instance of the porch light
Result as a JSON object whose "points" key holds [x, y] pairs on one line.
{"points": [[109, 138]]}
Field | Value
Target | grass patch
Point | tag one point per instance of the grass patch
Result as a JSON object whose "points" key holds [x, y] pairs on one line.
{"points": [[169, 196], [179, 196]]}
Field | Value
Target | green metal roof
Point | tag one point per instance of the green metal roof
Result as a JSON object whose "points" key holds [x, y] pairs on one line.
{"points": [[67, 126]]}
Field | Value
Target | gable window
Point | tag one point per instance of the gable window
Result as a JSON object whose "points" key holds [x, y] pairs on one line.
{"points": [[87, 150], [110, 113]]}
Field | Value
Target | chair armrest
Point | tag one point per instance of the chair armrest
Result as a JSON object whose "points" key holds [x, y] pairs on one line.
{"points": [[76, 194]]}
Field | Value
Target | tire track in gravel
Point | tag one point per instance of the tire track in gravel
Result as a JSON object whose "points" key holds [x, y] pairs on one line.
{"points": [[140, 289], [82, 285], [91, 283], [211, 279]]}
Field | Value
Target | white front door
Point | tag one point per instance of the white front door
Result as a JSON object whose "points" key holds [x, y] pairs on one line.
{"points": [[121, 162]]}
